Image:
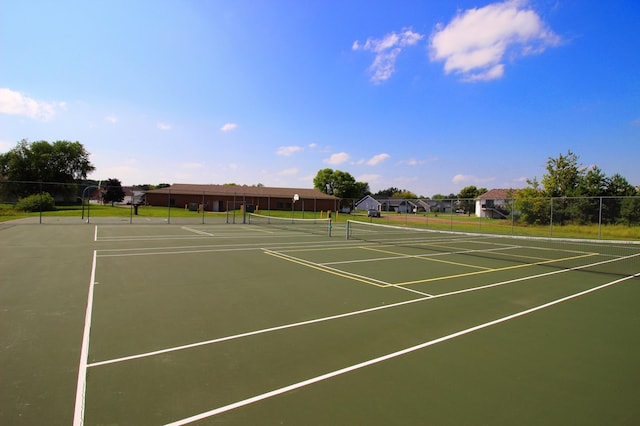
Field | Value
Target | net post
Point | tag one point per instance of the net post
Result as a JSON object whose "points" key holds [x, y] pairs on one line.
{"points": [[347, 228]]}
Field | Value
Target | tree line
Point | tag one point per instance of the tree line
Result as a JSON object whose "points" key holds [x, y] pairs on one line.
{"points": [[61, 168]]}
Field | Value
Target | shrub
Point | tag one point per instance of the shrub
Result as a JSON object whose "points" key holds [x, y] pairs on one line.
{"points": [[32, 203]]}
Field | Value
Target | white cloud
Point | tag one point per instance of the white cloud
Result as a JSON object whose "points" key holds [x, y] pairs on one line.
{"points": [[6, 146], [163, 126], [192, 166], [289, 172], [387, 50], [15, 103], [369, 178], [287, 151], [338, 158], [418, 162], [636, 122], [475, 42], [229, 127], [111, 119], [470, 179], [376, 159]]}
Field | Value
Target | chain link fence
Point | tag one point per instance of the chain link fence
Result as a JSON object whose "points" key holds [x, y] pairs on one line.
{"points": [[46, 202], [580, 217], [577, 217]]}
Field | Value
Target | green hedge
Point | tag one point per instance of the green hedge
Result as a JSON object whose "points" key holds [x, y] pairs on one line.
{"points": [[32, 203]]}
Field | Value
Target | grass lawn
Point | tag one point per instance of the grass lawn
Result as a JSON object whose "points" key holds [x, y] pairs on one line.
{"points": [[442, 221]]}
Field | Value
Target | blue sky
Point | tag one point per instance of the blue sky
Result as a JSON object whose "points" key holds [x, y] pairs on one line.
{"points": [[429, 96]]}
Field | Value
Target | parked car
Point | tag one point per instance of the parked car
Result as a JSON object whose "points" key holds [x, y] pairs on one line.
{"points": [[373, 213]]}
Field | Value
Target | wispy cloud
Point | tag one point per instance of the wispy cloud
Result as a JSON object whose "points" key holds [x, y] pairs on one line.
{"points": [[5, 146], [636, 122], [387, 50], [289, 172], [475, 42], [229, 127], [470, 179], [339, 158], [163, 126], [192, 165], [15, 103], [287, 151], [111, 119], [377, 159], [417, 161], [369, 178]]}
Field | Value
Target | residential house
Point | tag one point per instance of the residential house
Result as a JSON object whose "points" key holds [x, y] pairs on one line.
{"points": [[493, 204]]}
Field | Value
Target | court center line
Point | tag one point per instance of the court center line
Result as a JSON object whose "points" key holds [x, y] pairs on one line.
{"points": [[78, 414], [389, 356], [347, 314]]}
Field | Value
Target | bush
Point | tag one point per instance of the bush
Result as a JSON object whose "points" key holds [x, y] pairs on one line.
{"points": [[32, 203]]}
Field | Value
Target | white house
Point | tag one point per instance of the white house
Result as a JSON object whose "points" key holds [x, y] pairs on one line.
{"points": [[493, 203], [368, 203]]}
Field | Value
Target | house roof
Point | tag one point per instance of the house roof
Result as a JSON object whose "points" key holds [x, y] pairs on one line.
{"points": [[240, 190], [496, 194]]}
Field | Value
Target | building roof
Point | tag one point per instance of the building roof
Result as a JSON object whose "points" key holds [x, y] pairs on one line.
{"points": [[240, 190], [496, 194]]}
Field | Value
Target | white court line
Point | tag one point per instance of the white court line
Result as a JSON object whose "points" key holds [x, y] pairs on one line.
{"points": [[95, 234], [347, 314], [387, 357], [197, 231], [78, 415]]}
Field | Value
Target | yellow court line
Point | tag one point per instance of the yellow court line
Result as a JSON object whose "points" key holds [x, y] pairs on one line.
{"points": [[492, 270], [423, 257], [325, 269]]}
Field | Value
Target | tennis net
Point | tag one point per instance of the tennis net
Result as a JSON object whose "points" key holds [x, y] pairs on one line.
{"points": [[619, 257], [312, 226]]}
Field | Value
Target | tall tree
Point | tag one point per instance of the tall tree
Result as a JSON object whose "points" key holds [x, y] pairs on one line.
{"points": [[113, 191], [563, 176], [334, 182], [60, 162]]}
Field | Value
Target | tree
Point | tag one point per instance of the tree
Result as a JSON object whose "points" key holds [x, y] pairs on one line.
{"points": [[338, 183], [563, 176], [467, 196], [113, 191], [394, 192], [60, 165], [387, 192], [531, 205]]}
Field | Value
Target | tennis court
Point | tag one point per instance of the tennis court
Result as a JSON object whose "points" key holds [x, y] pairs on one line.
{"points": [[263, 324]]}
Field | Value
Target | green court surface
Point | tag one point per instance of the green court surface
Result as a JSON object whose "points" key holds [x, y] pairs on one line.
{"points": [[119, 324]]}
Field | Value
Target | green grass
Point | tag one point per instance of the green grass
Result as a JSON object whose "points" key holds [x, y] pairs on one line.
{"points": [[443, 221], [95, 210], [464, 223]]}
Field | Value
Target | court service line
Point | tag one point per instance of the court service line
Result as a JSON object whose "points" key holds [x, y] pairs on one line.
{"points": [[389, 356], [333, 271], [429, 258], [346, 314], [197, 231], [506, 268], [78, 414], [95, 234]]}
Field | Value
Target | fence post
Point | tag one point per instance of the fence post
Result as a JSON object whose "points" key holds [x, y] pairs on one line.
{"points": [[600, 219], [169, 207], [551, 218]]}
